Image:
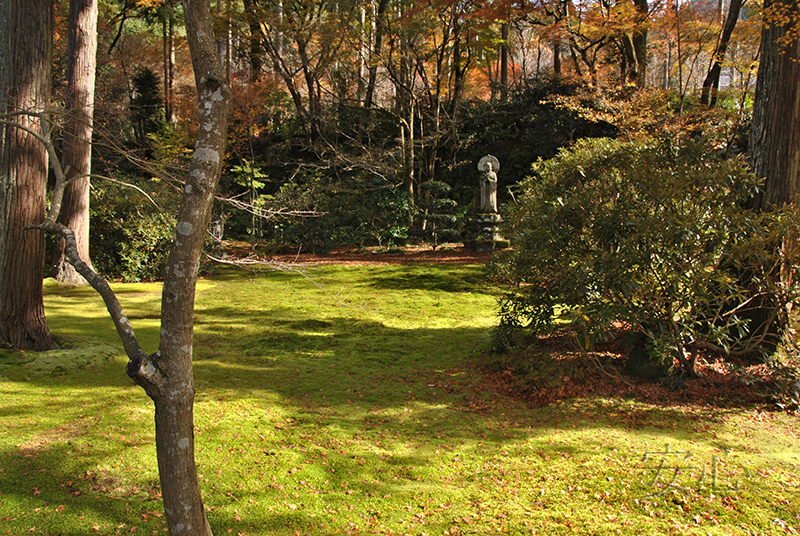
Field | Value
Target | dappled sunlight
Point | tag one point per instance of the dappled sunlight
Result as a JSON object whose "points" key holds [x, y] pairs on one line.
{"points": [[315, 417]]}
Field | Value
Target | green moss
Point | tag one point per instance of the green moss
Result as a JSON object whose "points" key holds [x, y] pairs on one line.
{"points": [[355, 407]]}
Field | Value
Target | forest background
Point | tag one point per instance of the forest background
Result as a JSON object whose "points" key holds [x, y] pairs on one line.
{"points": [[370, 117]]}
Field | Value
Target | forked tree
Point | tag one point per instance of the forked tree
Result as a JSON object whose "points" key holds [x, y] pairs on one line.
{"points": [[166, 374]]}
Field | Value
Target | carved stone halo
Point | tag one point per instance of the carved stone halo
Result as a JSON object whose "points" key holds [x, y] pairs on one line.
{"points": [[489, 159]]}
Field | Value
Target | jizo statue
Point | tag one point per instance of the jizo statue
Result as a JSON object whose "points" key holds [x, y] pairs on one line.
{"points": [[488, 166]]}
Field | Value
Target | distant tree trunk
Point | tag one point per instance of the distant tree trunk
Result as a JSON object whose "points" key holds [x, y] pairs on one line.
{"points": [[459, 68], [711, 83], [504, 61], [256, 53], [639, 40], [169, 59], [76, 156], [372, 65], [556, 56], [634, 48], [774, 149], [23, 173]]}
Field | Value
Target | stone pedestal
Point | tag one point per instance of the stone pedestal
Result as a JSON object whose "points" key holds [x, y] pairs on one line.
{"points": [[489, 233]]}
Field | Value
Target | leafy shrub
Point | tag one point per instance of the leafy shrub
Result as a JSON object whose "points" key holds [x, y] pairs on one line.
{"points": [[435, 210], [130, 238], [352, 212], [146, 104], [652, 237]]}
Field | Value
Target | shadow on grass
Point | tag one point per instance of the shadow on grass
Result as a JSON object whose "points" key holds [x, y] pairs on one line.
{"points": [[437, 278], [52, 484], [303, 406]]}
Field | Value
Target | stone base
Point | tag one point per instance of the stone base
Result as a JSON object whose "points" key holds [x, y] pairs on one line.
{"points": [[482, 245], [489, 227]]}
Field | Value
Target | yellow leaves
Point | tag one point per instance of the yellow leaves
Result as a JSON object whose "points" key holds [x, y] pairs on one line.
{"points": [[149, 4], [784, 14]]}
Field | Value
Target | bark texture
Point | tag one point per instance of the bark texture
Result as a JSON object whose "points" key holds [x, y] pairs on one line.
{"points": [[775, 133], [167, 375], [23, 174], [76, 156]]}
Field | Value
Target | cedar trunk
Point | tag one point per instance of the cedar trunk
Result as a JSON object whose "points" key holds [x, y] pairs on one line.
{"points": [[23, 174], [775, 132], [774, 150], [76, 157]]}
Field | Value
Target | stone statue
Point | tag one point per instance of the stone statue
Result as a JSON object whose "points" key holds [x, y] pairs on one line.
{"points": [[487, 167]]}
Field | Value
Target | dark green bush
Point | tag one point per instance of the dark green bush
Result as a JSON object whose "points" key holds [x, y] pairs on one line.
{"points": [[648, 237], [130, 238], [435, 214], [354, 211]]}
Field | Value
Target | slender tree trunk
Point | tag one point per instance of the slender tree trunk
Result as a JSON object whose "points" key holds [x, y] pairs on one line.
{"points": [[256, 53], [556, 56], [23, 174], [504, 61], [639, 41], [169, 61], [774, 149], [459, 69], [76, 156], [167, 376], [372, 65], [711, 83]]}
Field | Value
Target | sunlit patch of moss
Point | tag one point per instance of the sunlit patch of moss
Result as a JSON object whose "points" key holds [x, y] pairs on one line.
{"points": [[326, 412]]}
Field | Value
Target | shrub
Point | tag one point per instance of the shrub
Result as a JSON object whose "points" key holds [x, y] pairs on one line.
{"points": [[352, 212], [434, 213], [130, 238], [652, 237]]}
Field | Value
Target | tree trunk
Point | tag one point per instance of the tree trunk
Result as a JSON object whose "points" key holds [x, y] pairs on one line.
{"points": [[174, 395], [504, 61], [23, 174], [556, 57], [372, 66], [76, 156], [639, 39], [256, 52], [711, 83], [169, 59], [774, 149]]}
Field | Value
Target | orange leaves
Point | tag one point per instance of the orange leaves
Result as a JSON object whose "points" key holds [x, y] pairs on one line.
{"points": [[784, 14]]}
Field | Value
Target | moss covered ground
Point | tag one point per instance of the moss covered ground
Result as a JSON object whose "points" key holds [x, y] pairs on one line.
{"points": [[349, 402]]}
